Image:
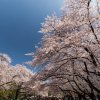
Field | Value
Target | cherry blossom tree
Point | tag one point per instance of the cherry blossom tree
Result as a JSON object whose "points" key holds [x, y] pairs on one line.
{"points": [[13, 79], [69, 56]]}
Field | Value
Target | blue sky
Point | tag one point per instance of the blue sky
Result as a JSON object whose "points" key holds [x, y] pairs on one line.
{"points": [[19, 25]]}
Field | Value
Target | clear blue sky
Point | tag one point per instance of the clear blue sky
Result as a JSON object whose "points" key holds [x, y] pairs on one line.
{"points": [[19, 25]]}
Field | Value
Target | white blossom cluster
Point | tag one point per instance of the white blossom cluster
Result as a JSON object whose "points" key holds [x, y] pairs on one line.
{"points": [[8, 72]]}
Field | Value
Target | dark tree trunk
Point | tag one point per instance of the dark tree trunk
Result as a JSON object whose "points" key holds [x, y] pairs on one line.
{"points": [[92, 96]]}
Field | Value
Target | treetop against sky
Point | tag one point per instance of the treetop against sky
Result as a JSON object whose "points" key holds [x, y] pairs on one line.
{"points": [[19, 25]]}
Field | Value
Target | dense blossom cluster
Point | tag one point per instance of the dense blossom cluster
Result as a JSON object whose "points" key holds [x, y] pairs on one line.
{"points": [[70, 51], [8, 72]]}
